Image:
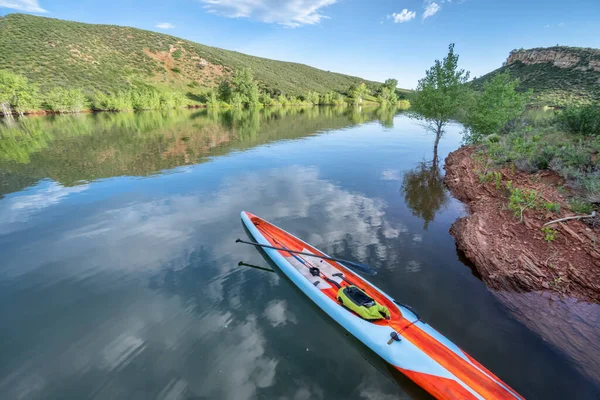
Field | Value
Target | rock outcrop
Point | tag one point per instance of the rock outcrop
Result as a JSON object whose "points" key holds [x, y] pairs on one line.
{"points": [[553, 287], [561, 57]]}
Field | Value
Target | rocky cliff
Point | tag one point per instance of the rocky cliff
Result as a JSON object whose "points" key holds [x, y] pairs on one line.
{"points": [[558, 76], [561, 57]]}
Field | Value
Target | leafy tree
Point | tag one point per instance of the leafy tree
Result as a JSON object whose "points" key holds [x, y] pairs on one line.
{"points": [[581, 120], [326, 98], [386, 96], [357, 93], [490, 111], [253, 96], [224, 91], [312, 97], [245, 85], [283, 100], [266, 99], [387, 92], [440, 93], [338, 100], [237, 101], [17, 93], [391, 84], [212, 100]]}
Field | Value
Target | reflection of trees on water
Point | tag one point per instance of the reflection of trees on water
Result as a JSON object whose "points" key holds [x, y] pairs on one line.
{"points": [[84, 147], [424, 191], [385, 115]]}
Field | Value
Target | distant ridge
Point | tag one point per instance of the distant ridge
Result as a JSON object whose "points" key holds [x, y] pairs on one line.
{"points": [[558, 75], [53, 52]]}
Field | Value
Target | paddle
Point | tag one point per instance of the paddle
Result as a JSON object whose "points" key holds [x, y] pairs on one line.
{"points": [[363, 267], [243, 264]]}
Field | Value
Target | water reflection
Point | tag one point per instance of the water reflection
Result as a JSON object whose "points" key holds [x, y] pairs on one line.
{"points": [[424, 190], [70, 149]]}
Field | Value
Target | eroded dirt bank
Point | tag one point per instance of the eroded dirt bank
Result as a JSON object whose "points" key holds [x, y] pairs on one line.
{"points": [[553, 286]]}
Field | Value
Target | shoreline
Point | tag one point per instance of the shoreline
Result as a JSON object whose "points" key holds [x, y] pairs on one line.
{"points": [[552, 287], [90, 111]]}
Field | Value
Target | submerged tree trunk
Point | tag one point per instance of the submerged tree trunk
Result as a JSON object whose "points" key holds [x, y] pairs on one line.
{"points": [[438, 136]]}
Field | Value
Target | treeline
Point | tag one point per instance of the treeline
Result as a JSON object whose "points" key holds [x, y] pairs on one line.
{"points": [[18, 95], [244, 91]]}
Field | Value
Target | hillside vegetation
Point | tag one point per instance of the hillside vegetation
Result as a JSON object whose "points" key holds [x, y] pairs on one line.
{"points": [[558, 76], [55, 53]]}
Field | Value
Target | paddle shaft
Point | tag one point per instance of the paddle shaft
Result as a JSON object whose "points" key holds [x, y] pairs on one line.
{"points": [[357, 265]]}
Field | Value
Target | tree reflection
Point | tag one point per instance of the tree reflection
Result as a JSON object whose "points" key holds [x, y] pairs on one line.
{"points": [[424, 191]]}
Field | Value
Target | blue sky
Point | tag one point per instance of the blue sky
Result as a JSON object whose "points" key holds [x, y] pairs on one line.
{"points": [[374, 39]]}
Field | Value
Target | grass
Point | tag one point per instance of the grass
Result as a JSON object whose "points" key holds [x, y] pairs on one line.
{"points": [[555, 86], [55, 53]]}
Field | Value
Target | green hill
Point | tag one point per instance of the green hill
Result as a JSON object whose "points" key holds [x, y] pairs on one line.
{"points": [[52, 52], [558, 75]]}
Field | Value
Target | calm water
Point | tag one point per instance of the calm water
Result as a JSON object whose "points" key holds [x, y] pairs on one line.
{"points": [[119, 275]]}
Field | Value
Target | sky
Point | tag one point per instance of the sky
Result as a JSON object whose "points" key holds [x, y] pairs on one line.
{"points": [[375, 39]]}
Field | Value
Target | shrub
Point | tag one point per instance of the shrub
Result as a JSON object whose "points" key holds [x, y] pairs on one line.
{"points": [[579, 206], [119, 101], [549, 234], [521, 200], [581, 120], [66, 101], [176, 70]]}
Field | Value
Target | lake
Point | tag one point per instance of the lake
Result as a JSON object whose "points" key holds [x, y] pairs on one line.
{"points": [[119, 274]]}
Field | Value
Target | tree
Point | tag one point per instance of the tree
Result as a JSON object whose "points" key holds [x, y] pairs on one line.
{"points": [[245, 85], [391, 84], [386, 96], [211, 99], [440, 94], [312, 97], [493, 109], [266, 99], [357, 93], [17, 93], [224, 91]]}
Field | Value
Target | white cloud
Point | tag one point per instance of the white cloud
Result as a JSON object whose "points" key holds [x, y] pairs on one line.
{"points": [[290, 13], [390, 175], [277, 313], [430, 10], [165, 25], [404, 16], [15, 210], [23, 5]]}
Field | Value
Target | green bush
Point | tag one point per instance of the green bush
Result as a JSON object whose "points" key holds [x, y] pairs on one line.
{"points": [[493, 109], [18, 93], [66, 101], [579, 206], [581, 120]]}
